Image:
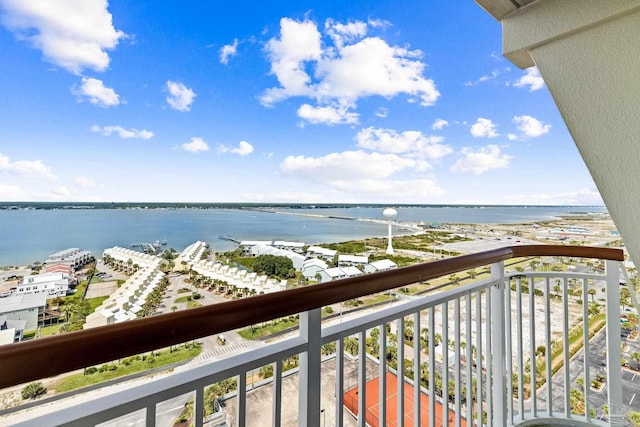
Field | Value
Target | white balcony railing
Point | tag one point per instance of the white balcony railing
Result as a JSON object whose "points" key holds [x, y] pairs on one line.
{"points": [[506, 350]]}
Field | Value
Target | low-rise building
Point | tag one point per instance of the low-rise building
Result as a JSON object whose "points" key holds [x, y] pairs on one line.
{"points": [[189, 256], [320, 252], [27, 307], [127, 301], [297, 247], [74, 257], [380, 265], [345, 260], [53, 285], [11, 330], [313, 266], [295, 258]]}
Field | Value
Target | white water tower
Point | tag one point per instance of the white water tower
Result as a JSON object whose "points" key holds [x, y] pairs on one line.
{"points": [[389, 214]]}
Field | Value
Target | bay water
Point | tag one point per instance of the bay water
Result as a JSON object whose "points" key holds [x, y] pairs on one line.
{"points": [[29, 235]]}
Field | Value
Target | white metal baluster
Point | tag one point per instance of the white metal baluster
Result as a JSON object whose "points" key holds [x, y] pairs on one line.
{"points": [[532, 346], [509, 348], [469, 356], [547, 343], [382, 356], [339, 391], [198, 407], [586, 353], [445, 364], [150, 418], [400, 371], [309, 371], [241, 414], [496, 338], [519, 340], [416, 369], [276, 416], [488, 321], [565, 346], [479, 399], [458, 378], [432, 367], [362, 378]]}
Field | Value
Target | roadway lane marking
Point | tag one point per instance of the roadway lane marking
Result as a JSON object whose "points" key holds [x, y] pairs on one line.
{"points": [[633, 377], [632, 397]]}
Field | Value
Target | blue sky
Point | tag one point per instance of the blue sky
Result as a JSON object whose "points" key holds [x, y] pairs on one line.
{"points": [[287, 101]]}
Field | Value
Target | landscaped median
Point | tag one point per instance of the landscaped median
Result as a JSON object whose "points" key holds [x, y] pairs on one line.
{"points": [[127, 366]]}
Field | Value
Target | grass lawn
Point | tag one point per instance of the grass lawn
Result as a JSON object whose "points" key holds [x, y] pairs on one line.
{"points": [[127, 366], [95, 302], [46, 331], [259, 331]]}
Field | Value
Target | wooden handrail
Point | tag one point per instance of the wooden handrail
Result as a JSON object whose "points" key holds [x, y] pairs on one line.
{"points": [[44, 357]]}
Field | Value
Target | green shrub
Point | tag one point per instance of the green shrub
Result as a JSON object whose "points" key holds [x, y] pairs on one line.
{"points": [[33, 390]]}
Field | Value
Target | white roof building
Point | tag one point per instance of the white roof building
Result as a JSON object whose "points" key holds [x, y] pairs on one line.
{"points": [[25, 307], [127, 301], [73, 257], [189, 255], [352, 260], [318, 251], [289, 246], [312, 266], [380, 265], [296, 258], [351, 271], [51, 284]]}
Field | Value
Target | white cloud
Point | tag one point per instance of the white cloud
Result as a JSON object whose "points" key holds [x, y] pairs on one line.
{"points": [[341, 72], [12, 193], [327, 115], [439, 124], [341, 33], [531, 79], [29, 168], [227, 51], [484, 78], [84, 182], [410, 142], [96, 93], [243, 149], [530, 127], [195, 145], [61, 192], [379, 23], [73, 34], [480, 161], [122, 132], [180, 97], [345, 166], [484, 128], [382, 112], [352, 174]]}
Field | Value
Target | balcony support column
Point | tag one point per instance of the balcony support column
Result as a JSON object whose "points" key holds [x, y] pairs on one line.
{"points": [[309, 385], [498, 353], [614, 349]]}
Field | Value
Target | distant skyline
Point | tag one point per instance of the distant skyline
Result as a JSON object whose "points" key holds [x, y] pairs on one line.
{"points": [[283, 102]]}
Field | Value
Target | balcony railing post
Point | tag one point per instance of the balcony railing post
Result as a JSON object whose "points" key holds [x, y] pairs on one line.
{"points": [[498, 384], [309, 386], [614, 349]]}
